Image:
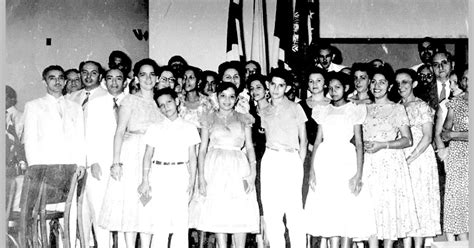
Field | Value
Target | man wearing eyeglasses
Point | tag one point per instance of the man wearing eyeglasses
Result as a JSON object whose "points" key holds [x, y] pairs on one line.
{"points": [[442, 66]]}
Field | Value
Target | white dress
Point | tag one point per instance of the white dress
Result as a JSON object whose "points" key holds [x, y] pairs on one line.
{"points": [[331, 209]]}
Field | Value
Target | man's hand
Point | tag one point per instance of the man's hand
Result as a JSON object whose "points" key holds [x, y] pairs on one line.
{"points": [[116, 172], [81, 171], [96, 171]]}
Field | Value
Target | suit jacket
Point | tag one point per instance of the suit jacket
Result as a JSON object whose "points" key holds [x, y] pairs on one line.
{"points": [[51, 135], [100, 130]]}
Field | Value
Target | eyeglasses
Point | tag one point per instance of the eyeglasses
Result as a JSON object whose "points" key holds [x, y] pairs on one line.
{"points": [[170, 80], [442, 63], [425, 76]]}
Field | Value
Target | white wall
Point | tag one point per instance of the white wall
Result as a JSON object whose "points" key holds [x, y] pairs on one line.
{"points": [[197, 29], [79, 29]]}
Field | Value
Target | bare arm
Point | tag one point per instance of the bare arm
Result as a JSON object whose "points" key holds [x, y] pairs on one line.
{"points": [[317, 142], [125, 113], [403, 142], [201, 159], [425, 141], [355, 181], [252, 160], [192, 168], [447, 134], [144, 187], [303, 139], [438, 129]]}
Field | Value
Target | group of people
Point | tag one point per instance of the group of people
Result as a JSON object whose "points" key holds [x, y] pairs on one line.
{"points": [[353, 155]]}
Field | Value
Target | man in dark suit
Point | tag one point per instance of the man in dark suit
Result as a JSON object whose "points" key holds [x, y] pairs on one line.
{"points": [[442, 66]]}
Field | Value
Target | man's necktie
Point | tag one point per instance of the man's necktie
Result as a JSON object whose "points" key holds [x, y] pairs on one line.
{"points": [[442, 96], [60, 109], [85, 100], [116, 109]]}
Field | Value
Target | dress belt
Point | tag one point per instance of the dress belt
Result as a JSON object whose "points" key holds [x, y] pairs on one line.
{"points": [[282, 149], [167, 163]]}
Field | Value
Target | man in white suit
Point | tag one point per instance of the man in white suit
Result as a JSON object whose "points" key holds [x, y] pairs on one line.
{"points": [[54, 130], [91, 74], [100, 130]]}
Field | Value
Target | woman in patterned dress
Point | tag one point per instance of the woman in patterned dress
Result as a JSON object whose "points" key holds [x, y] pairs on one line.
{"points": [[122, 210], [421, 159], [386, 176], [456, 200]]}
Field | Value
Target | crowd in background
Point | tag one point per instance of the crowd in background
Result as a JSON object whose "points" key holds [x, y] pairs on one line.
{"points": [[350, 155]]}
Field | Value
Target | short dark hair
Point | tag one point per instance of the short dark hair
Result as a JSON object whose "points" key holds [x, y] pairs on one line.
{"points": [[257, 77], [234, 64], [343, 78], [10, 92], [410, 72], [99, 67], [437, 46], [224, 86], [259, 68], [283, 74], [126, 61], [315, 70], [164, 68], [165, 91], [146, 61], [177, 58], [116, 67], [70, 71], [52, 68], [204, 75], [448, 55], [197, 72]]}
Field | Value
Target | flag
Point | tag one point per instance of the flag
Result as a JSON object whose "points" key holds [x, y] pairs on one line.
{"points": [[235, 43], [259, 48], [283, 34], [313, 21]]}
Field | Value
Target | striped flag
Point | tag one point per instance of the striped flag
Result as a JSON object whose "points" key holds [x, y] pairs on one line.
{"points": [[283, 34], [259, 48], [235, 43]]}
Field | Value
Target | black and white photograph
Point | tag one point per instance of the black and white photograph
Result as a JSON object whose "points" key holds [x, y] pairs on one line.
{"points": [[237, 124]]}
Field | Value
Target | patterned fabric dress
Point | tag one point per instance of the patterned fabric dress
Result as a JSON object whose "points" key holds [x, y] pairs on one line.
{"points": [[227, 208], [424, 172], [194, 116], [386, 175], [122, 209], [331, 209], [456, 201]]}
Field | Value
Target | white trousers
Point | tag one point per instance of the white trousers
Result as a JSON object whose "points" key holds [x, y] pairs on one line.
{"points": [[281, 182], [91, 206]]}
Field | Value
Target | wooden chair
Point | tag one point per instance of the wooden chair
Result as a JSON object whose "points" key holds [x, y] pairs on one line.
{"points": [[11, 216], [44, 185]]}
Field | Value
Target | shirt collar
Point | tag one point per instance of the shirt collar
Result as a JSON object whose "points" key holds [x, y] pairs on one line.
{"points": [[54, 99], [11, 110]]}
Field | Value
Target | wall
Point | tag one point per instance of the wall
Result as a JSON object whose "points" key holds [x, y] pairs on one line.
{"points": [[79, 30], [197, 29]]}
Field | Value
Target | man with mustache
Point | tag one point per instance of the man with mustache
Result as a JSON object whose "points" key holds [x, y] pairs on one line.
{"points": [[91, 74], [54, 134], [100, 130]]}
